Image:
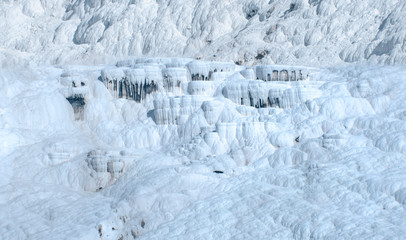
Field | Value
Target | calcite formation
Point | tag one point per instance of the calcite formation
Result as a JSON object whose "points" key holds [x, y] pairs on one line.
{"points": [[106, 166], [186, 97]]}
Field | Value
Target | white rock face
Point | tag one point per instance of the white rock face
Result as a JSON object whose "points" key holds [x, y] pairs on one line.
{"points": [[257, 31], [202, 119]]}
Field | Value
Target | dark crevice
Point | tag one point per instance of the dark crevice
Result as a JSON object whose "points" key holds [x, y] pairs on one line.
{"points": [[78, 104]]}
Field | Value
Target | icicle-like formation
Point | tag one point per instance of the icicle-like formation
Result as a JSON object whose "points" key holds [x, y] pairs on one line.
{"points": [[199, 71], [112, 78], [174, 79], [280, 73], [202, 71], [176, 110], [133, 84], [262, 95]]}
